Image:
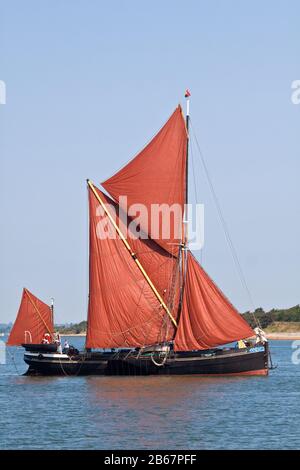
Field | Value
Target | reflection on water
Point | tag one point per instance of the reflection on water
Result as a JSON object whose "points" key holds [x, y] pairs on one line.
{"points": [[168, 412], [151, 404], [151, 412]]}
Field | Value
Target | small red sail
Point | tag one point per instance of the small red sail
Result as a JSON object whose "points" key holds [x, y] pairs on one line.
{"points": [[156, 176], [123, 310], [34, 319], [207, 318]]}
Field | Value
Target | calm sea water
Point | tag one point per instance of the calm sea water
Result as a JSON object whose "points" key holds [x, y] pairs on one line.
{"points": [[150, 412]]}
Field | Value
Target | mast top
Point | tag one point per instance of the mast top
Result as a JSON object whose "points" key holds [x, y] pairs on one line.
{"points": [[187, 96]]}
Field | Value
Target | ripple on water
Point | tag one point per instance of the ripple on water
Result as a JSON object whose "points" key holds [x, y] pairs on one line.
{"points": [[151, 412]]}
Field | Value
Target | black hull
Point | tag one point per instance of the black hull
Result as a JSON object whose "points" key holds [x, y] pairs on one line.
{"points": [[234, 363], [47, 364], [252, 361], [41, 348]]}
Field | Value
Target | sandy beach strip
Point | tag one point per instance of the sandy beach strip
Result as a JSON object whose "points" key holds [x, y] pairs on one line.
{"points": [[284, 336]]}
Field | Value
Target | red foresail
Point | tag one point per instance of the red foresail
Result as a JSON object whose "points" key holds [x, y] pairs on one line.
{"points": [[155, 179], [123, 310], [34, 319], [207, 318]]}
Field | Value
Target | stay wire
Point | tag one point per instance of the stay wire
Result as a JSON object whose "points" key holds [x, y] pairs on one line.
{"points": [[195, 185], [225, 228]]}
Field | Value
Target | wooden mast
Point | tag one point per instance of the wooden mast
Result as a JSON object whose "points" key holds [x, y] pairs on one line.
{"points": [[132, 254], [187, 123], [184, 241], [52, 310]]}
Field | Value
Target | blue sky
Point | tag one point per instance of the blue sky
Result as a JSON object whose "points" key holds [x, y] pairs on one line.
{"points": [[89, 82]]}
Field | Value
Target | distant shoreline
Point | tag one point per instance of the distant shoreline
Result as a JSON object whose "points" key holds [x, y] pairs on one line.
{"points": [[72, 334]]}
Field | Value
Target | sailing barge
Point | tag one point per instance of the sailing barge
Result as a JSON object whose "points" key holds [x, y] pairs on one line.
{"points": [[153, 310]]}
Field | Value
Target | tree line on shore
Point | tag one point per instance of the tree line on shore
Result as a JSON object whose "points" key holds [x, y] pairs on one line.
{"points": [[266, 318]]}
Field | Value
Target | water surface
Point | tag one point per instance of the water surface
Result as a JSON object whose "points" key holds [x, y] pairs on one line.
{"points": [[150, 412]]}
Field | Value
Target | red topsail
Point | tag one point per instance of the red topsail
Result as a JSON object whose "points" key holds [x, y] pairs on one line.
{"points": [[155, 178]]}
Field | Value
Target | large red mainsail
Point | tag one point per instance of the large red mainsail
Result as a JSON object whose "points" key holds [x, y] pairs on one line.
{"points": [[207, 318], [155, 178], [123, 310], [34, 319]]}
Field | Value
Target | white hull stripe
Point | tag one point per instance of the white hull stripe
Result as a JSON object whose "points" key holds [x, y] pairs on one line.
{"points": [[50, 356]]}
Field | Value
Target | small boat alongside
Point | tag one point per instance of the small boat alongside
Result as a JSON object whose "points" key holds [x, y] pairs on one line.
{"points": [[34, 331]]}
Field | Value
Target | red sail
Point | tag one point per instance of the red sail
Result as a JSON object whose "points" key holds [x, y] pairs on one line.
{"points": [[34, 319], [207, 318], [123, 310], [155, 178]]}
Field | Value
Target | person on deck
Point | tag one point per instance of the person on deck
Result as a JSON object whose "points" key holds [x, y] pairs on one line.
{"points": [[260, 336], [66, 347], [58, 343], [46, 338]]}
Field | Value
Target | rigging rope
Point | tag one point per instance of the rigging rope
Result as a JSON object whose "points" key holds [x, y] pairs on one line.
{"points": [[195, 187], [12, 356], [225, 228], [82, 360], [164, 359]]}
